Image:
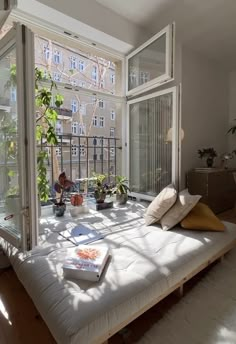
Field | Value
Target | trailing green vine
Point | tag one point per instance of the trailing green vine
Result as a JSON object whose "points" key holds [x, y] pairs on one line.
{"points": [[45, 122]]}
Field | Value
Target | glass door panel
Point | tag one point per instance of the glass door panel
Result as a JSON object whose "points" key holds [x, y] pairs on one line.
{"points": [[18, 196], [153, 143], [10, 202]]}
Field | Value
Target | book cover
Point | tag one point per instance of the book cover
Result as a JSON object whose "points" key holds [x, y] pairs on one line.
{"points": [[85, 262]]}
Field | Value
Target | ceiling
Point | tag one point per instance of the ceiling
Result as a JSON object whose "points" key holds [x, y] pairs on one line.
{"points": [[208, 26]]}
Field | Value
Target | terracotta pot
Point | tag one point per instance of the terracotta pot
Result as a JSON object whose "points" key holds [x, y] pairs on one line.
{"points": [[76, 199]]}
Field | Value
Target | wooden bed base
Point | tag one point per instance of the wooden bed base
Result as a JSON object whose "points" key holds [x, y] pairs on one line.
{"points": [[178, 287]]}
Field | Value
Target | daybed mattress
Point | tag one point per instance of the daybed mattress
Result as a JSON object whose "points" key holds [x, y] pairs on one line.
{"points": [[145, 263]]}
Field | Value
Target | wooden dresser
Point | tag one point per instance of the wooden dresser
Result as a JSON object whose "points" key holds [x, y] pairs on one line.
{"points": [[217, 187]]}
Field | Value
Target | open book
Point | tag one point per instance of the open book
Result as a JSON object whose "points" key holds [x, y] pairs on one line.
{"points": [[81, 234], [85, 262]]}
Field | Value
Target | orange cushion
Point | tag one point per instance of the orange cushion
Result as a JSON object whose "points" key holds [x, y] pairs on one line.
{"points": [[201, 217]]}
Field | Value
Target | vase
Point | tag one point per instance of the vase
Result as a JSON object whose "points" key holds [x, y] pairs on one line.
{"points": [[209, 162], [100, 197]]}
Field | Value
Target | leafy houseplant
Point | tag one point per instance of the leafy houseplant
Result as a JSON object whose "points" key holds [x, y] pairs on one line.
{"points": [[209, 154], [101, 188], [121, 189], [61, 186]]}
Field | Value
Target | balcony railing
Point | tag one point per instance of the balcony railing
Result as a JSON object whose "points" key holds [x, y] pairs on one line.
{"points": [[80, 156]]}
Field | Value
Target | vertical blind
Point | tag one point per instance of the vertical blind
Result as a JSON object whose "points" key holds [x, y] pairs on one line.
{"points": [[151, 121]]}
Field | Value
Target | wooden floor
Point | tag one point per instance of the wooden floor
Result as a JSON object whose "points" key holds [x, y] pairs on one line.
{"points": [[20, 322]]}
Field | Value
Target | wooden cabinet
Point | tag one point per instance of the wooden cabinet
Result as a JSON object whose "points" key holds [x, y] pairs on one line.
{"points": [[217, 187]]}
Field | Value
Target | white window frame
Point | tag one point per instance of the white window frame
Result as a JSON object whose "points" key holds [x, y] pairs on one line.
{"points": [[57, 76], [113, 115], [59, 127], [82, 129], [73, 62], [74, 105], [175, 139], [46, 52], [74, 150], [95, 121], [74, 128], [101, 121], [82, 150], [58, 151], [113, 78], [101, 103], [168, 76], [112, 132], [95, 73], [57, 56], [81, 65]]}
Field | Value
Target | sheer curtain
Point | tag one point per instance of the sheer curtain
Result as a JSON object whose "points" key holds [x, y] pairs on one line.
{"points": [[150, 125]]}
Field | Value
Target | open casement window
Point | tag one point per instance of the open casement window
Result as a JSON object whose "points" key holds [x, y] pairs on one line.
{"points": [[152, 63], [18, 195], [152, 128]]}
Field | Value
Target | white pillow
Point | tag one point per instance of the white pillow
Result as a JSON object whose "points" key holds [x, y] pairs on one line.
{"points": [[160, 205], [185, 202]]}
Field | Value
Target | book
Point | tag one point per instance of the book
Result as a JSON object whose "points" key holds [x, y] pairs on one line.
{"points": [[85, 262], [81, 234]]}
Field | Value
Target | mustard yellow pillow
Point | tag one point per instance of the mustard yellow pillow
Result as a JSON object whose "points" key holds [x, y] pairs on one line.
{"points": [[201, 217]]}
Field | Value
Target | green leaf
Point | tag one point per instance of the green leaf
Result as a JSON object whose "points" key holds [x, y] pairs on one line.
{"points": [[59, 99], [51, 115], [39, 132]]}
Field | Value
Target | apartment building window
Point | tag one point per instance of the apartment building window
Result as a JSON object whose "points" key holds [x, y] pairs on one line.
{"points": [[48, 150], [74, 150], [82, 83], [13, 94], [82, 129], [144, 77], [82, 150], [58, 151], [57, 76], [45, 74], [94, 73], [101, 103], [112, 132], [73, 62], [57, 57], [113, 115], [133, 79], [81, 66], [74, 105], [102, 84], [82, 109], [95, 121], [46, 52], [102, 122], [74, 128], [113, 78], [74, 82], [112, 151], [59, 128]]}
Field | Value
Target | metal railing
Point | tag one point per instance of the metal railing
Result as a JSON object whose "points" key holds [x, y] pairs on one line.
{"points": [[79, 156]]}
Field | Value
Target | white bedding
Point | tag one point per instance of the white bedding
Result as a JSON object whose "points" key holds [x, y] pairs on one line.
{"points": [[145, 262]]}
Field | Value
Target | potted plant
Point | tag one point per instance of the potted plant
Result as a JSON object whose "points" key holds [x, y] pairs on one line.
{"points": [[63, 184], [121, 189], [76, 201], [101, 188], [209, 154]]}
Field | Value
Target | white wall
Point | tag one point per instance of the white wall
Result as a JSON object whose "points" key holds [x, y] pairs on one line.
{"points": [[204, 108], [232, 112], [101, 18]]}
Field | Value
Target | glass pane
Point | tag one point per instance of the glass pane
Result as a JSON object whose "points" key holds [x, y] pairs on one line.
{"points": [[151, 145], [148, 64], [89, 132], [9, 168], [77, 67]]}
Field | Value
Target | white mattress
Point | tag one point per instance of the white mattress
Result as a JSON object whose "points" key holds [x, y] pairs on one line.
{"points": [[145, 262]]}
